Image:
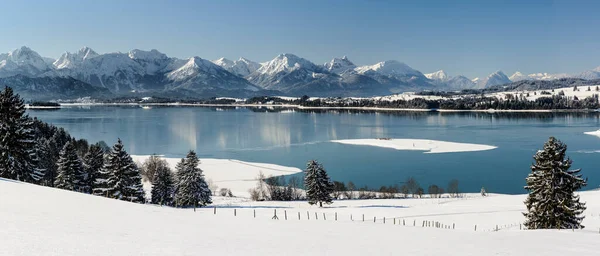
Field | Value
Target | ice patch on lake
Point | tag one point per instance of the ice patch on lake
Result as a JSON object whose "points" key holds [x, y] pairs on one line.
{"points": [[431, 146], [238, 176], [594, 133]]}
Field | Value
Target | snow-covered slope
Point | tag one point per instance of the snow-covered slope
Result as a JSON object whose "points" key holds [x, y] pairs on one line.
{"points": [[447, 82], [290, 73], [339, 65], [590, 74], [495, 78], [39, 220], [396, 75], [518, 76], [73, 60], [23, 61], [199, 74], [241, 67], [439, 75]]}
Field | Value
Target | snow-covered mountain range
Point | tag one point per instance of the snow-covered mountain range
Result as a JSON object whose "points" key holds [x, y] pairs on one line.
{"points": [[140, 71]]}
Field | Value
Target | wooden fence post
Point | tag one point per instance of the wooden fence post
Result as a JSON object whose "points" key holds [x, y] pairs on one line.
{"points": [[452, 225], [298, 215], [475, 227], [234, 212], [254, 213], [316, 216], [307, 215], [335, 216], [374, 219], [285, 213], [363, 218], [324, 218], [414, 223], [403, 222], [394, 221], [215, 210]]}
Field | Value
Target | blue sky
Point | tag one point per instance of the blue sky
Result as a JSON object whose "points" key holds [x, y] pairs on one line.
{"points": [[473, 38]]}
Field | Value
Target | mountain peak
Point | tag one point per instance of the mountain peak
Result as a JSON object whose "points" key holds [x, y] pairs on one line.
{"points": [[146, 55], [439, 75], [390, 68], [339, 65]]}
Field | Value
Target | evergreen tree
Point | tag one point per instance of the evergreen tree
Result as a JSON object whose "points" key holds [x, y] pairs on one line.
{"points": [[192, 189], [163, 186], [552, 202], [70, 172], [92, 165], [120, 177], [18, 157], [318, 185]]}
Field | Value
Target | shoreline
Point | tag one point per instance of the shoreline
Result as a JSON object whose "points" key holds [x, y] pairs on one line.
{"points": [[491, 111]]}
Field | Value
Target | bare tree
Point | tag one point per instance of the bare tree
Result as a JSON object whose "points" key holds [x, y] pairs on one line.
{"points": [[420, 192], [151, 166], [350, 188], [212, 186], [434, 191], [412, 185], [338, 189], [453, 188]]}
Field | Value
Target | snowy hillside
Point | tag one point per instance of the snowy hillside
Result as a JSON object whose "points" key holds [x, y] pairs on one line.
{"points": [[339, 65], [438, 75], [241, 67], [39, 220], [518, 76], [495, 78], [23, 61]]}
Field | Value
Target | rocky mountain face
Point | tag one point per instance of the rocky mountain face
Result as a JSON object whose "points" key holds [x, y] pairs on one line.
{"points": [[140, 72]]}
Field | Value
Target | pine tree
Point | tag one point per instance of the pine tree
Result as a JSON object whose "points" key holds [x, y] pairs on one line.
{"points": [[120, 177], [192, 189], [552, 202], [70, 172], [92, 165], [318, 185], [18, 157], [163, 187]]}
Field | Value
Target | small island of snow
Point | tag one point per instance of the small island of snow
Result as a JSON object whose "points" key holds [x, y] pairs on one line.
{"points": [[431, 146], [594, 133]]}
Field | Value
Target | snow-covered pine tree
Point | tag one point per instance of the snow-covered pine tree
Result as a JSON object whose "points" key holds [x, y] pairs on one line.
{"points": [[92, 164], [192, 189], [317, 183], [552, 202], [18, 157], [120, 177], [163, 186], [70, 175]]}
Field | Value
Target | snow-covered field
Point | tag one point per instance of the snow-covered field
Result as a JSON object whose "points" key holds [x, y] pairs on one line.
{"points": [[431, 146], [581, 93], [238, 176], [38, 220]]}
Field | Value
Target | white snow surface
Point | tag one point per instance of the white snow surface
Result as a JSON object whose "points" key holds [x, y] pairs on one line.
{"points": [[38, 220], [431, 146], [339, 65], [390, 67], [594, 133], [439, 75], [239, 176], [286, 63], [241, 67]]}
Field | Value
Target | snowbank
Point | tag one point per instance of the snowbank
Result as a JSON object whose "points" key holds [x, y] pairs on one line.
{"points": [[38, 220], [431, 146], [594, 133], [238, 176]]}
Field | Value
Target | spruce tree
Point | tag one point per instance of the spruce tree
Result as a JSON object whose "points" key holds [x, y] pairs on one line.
{"points": [[92, 164], [70, 175], [192, 189], [318, 185], [120, 177], [18, 157], [552, 203], [163, 186]]}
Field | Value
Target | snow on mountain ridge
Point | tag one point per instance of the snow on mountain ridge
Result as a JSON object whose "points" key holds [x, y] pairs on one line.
{"points": [[438, 75], [72, 60], [339, 65], [286, 62], [390, 67], [241, 67]]}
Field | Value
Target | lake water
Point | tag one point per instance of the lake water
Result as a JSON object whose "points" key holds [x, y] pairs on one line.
{"points": [[292, 138]]}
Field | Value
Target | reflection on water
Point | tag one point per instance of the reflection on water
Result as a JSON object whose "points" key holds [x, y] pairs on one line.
{"points": [[293, 136]]}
